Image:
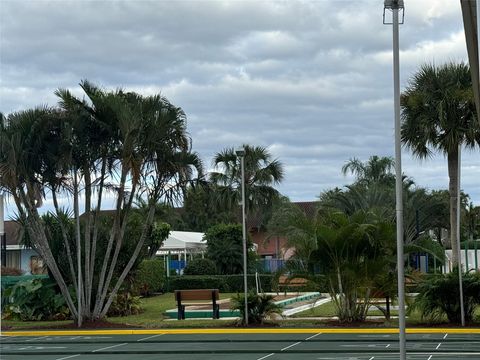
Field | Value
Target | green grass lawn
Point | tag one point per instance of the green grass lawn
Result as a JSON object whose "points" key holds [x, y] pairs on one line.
{"points": [[151, 317], [155, 307], [328, 309]]}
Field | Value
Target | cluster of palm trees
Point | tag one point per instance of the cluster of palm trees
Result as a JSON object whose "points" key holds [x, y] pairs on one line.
{"points": [[111, 143], [351, 238]]}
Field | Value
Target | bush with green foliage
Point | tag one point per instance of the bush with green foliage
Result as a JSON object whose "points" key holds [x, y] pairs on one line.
{"points": [[32, 300], [439, 296], [225, 247], [125, 304], [224, 283], [149, 277], [200, 267], [259, 307]]}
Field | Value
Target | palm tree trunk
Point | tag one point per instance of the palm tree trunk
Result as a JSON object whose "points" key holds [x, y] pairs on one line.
{"points": [[452, 158], [81, 311], [64, 236], [133, 258]]}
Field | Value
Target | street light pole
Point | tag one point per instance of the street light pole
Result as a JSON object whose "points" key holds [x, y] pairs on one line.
{"points": [[241, 153], [459, 251], [395, 6]]}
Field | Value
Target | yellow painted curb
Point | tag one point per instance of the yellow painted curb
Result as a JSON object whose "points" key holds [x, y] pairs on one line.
{"points": [[242, 331]]}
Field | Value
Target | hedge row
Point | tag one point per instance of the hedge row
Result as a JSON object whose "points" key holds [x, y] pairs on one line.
{"points": [[149, 277], [224, 283], [234, 283]]}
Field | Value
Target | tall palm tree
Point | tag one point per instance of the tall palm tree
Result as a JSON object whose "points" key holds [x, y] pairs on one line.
{"points": [[438, 114], [261, 174]]}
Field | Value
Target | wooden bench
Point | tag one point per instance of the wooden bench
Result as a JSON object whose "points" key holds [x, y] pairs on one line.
{"points": [[286, 282], [211, 295]]}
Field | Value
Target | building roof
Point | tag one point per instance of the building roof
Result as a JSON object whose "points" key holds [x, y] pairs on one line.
{"points": [[183, 241]]}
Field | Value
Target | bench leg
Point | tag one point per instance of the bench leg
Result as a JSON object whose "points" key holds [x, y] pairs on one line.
{"points": [[216, 311], [181, 312]]}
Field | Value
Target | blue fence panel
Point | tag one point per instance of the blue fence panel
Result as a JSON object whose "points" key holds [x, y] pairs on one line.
{"points": [[271, 265], [177, 265]]}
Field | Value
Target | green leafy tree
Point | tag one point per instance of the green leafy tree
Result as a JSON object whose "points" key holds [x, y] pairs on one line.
{"points": [[438, 114], [225, 248], [201, 211]]}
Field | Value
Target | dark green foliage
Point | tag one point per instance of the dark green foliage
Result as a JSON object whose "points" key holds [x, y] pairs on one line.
{"points": [[259, 307], [125, 304], [36, 299], [439, 296], [262, 172], [224, 283], [225, 249], [202, 211], [158, 235], [149, 277], [200, 267]]}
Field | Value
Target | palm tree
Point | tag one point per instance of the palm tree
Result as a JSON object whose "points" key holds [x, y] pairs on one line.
{"points": [[261, 173], [438, 114], [375, 170], [353, 252]]}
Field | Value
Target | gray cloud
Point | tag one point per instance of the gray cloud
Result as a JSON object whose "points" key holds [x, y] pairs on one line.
{"points": [[310, 79]]}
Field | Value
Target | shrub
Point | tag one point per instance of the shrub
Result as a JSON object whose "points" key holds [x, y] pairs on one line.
{"points": [[36, 299], [188, 282], [10, 271], [225, 247], [200, 267], [438, 296], [125, 304], [149, 277], [259, 307], [224, 283]]}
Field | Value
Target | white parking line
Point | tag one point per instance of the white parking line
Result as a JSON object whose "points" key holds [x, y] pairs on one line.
{"points": [[289, 346], [266, 356], [387, 346], [68, 357], [150, 337], [438, 346], [311, 337], [37, 338], [109, 347], [373, 357], [445, 336], [430, 357]]}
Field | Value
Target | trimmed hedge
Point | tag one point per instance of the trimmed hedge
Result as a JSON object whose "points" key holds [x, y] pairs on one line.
{"points": [[234, 283], [224, 283], [149, 277], [200, 267]]}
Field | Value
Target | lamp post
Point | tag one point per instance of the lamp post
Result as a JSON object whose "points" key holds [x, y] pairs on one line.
{"points": [[3, 240], [241, 154], [459, 251], [395, 6]]}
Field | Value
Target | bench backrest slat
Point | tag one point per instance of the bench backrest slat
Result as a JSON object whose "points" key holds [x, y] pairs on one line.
{"points": [[196, 294]]}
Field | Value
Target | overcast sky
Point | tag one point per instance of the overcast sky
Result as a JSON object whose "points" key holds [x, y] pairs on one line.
{"points": [[310, 80]]}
